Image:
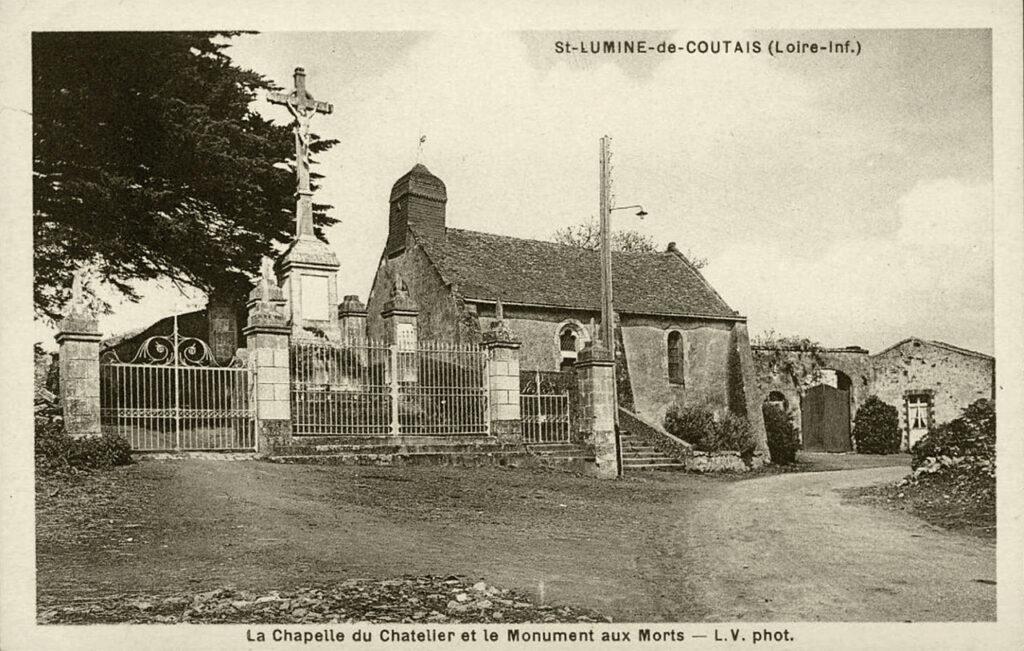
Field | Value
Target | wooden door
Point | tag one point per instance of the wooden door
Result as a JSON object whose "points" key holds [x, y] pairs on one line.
{"points": [[825, 419]]}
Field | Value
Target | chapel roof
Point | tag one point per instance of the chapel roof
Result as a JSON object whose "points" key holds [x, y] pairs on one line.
{"points": [[488, 267]]}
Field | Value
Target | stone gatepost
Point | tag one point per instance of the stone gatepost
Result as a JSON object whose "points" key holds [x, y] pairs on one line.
{"points": [[503, 380], [595, 369], [79, 339], [400, 329], [267, 340]]}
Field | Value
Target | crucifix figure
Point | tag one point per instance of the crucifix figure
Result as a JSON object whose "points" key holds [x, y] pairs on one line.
{"points": [[303, 107]]}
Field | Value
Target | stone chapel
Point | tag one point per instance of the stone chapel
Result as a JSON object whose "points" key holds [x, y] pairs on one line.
{"points": [[677, 340]]}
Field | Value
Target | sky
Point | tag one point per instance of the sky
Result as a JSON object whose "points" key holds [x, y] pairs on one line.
{"points": [[843, 198]]}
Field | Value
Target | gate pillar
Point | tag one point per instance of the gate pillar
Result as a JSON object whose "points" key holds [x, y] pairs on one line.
{"points": [[595, 368], [503, 381], [267, 340], [79, 339]]}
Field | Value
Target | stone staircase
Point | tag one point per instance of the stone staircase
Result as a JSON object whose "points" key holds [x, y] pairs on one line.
{"points": [[636, 455], [398, 451]]}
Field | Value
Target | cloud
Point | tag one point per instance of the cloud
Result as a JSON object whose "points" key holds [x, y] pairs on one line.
{"points": [[932, 277]]}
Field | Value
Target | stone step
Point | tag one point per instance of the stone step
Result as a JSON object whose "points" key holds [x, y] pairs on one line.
{"points": [[439, 447], [385, 439], [410, 459], [634, 461], [674, 465]]}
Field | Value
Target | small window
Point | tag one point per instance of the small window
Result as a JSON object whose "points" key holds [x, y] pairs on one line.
{"points": [[568, 345], [675, 357]]}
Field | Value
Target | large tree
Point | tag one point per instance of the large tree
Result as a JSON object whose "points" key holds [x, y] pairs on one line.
{"points": [[149, 163], [587, 235]]}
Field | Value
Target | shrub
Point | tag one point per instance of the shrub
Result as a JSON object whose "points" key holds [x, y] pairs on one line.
{"points": [[55, 451], [783, 439], [969, 439], [876, 428], [698, 427], [734, 434]]}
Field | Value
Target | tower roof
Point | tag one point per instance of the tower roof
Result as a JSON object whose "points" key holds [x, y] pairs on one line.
{"points": [[421, 182]]}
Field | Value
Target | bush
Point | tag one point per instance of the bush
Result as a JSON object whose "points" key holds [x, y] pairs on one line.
{"points": [[783, 439], [55, 451], [876, 428], [698, 427]]}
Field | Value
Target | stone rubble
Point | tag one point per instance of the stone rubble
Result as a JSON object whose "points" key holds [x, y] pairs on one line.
{"points": [[410, 599]]}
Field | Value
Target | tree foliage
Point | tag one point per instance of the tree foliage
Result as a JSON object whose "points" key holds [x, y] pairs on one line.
{"points": [[587, 235], [149, 163], [797, 358]]}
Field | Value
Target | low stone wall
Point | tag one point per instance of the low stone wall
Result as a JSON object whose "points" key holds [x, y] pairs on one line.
{"points": [[716, 462]]}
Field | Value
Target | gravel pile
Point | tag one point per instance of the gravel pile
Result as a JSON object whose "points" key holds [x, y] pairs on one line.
{"points": [[424, 599]]}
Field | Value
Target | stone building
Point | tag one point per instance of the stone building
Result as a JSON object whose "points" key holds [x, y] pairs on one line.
{"points": [[678, 341], [929, 382]]}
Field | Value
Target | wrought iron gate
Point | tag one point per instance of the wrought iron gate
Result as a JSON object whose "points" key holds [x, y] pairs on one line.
{"points": [[544, 412], [173, 395], [366, 387]]}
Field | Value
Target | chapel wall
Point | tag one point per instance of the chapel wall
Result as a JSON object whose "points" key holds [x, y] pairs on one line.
{"points": [[706, 364], [442, 314]]}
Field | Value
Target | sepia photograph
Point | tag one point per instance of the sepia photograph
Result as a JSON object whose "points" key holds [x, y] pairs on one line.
{"points": [[555, 337]]}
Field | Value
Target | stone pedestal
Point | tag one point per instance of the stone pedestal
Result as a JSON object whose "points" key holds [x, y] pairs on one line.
{"points": [[79, 339], [308, 271], [503, 383], [352, 318], [595, 368], [267, 340], [400, 329]]}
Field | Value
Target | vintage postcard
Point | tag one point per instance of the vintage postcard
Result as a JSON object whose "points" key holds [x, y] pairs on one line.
{"points": [[473, 326]]}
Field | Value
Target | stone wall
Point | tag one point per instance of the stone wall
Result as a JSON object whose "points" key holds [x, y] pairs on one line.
{"points": [[954, 377], [854, 362]]}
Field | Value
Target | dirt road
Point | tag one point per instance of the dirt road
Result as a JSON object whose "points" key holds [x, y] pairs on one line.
{"points": [[785, 548], [664, 547]]}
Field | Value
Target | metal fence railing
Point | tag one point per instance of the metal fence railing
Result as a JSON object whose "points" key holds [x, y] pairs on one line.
{"points": [[544, 408], [545, 418], [366, 387]]}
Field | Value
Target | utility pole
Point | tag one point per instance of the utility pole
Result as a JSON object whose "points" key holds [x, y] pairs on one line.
{"points": [[607, 318]]}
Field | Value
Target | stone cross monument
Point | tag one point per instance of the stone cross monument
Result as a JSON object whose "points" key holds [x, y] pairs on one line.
{"points": [[303, 107], [308, 268]]}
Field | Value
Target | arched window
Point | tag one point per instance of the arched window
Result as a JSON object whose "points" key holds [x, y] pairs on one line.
{"points": [[778, 400], [675, 357], [568, 345]]}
